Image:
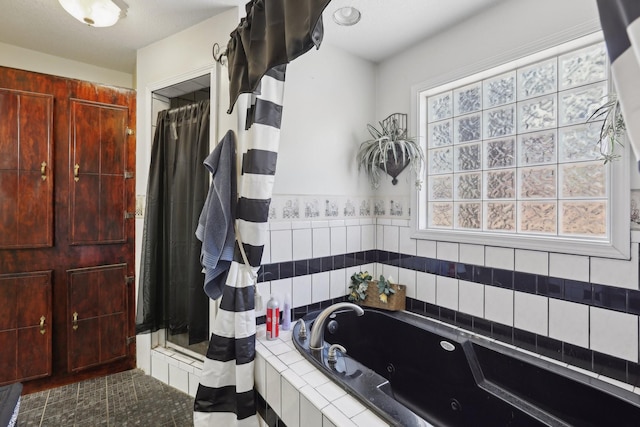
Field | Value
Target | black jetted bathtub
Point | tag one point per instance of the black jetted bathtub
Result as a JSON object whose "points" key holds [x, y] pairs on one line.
{"points": [[413, 371]]}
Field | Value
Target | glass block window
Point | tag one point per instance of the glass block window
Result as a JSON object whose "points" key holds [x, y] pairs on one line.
{"points": [[510, 152]]}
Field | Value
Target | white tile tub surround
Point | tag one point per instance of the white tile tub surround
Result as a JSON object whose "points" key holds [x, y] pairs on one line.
{"points": [[569, 322], [408, 278], [338, 283], [175, 369], [279, 289], [614, 333], [408, 245], [499, 257], [321, 242], [274, 383], [338, 239], [311, 415], [447, 292], [531, 313], [471, 254], [613, 272], [179, 378], [498, 305], [573, 267], [379, 236], [320, 286], [471, 298], [426, 248], [388, 271], [391, 239], [302, 292], [354, 238], [368, 237], [264, 290], [426, 287], [447, 251], [291, 383], [302, 395], [302, 244], [534, 262]]}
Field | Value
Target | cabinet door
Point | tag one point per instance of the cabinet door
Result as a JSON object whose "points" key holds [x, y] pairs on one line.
{"points": [[25, 326], [97, 315], [26, 196], [98, 196]]}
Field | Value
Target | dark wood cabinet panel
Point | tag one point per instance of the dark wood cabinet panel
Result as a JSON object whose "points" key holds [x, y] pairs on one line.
{"points": [[98, 315], [60, 225], [9, 356], [97, 179], [26, 181], [84, 344], [25, 330], [34, 353]]}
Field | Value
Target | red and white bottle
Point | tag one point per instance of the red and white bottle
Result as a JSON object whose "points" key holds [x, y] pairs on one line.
{"points": [[273, 319]]}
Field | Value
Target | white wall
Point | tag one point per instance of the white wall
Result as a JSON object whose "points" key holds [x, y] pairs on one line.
{"points": [[161, 64], [329, 99], [509, 27], [169, 59], [30, 60]]}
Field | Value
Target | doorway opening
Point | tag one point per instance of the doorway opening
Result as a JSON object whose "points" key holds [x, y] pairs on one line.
{"points": [[179, 334]]}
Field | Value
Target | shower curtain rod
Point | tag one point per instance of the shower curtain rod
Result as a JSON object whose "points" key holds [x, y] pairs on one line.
{"points": [[181, 109]]}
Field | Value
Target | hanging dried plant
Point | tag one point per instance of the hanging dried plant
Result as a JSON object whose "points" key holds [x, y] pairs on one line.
{"points": [[389, 150]]}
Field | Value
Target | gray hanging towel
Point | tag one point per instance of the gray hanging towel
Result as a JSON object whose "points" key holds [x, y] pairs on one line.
{"points": [[215, 226]]}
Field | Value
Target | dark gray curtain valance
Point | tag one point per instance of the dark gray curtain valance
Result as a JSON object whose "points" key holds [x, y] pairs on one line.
{"points": [[274, 32]]}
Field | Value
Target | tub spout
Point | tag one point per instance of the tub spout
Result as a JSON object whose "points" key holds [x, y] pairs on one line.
{"points": [[316, 341]]}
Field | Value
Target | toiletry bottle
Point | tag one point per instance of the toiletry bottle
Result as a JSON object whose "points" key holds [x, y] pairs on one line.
{"points": [[273, 318], [286, 313]]}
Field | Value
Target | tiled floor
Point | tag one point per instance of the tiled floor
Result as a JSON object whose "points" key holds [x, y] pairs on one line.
{"points": [[128, 398]]}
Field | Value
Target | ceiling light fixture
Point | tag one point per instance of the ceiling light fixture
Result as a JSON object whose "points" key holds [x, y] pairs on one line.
{"points": [[95, 13], [347, 16]]}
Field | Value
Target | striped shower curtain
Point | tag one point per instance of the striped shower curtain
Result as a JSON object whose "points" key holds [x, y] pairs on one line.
{"points": [[273, 33], [620, 21], [225, 395]]}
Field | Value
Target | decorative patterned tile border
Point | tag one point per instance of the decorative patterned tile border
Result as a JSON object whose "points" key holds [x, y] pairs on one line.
{"points": [[293, 207]]}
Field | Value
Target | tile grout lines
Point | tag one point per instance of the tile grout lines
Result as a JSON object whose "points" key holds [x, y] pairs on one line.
{"points": [[46, 402], [106, 399]]}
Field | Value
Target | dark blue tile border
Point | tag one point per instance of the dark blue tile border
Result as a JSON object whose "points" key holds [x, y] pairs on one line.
{"points": [[609, 297]]}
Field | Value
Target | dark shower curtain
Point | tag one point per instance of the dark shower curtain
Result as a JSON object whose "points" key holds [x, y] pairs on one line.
{"points": [[171, 291]]}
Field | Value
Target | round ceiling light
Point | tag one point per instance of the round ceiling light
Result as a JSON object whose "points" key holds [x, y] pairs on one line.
{"points": [[95, 13], [347, 16]]}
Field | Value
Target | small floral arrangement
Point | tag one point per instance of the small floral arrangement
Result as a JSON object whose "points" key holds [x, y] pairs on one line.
{"points": [[358, 286], [385, 289]]}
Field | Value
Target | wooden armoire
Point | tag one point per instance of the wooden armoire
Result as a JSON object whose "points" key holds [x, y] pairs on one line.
{"points": [[67, 204]]}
